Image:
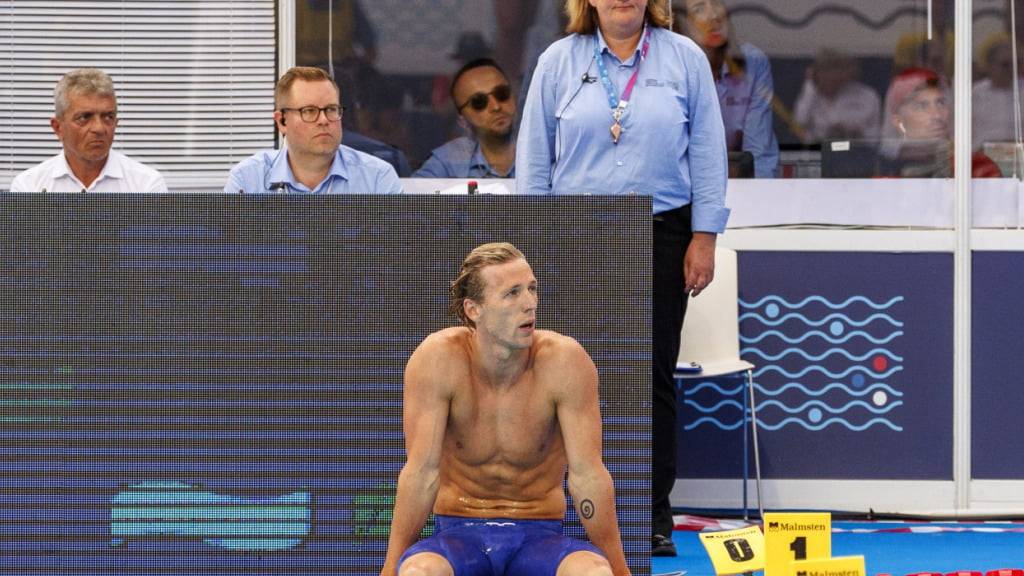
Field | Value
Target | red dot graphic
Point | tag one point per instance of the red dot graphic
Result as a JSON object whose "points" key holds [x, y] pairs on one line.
{"points": [[879, 363]]}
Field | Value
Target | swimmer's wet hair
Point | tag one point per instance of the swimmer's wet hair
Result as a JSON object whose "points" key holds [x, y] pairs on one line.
{"points": [[469, 284]]}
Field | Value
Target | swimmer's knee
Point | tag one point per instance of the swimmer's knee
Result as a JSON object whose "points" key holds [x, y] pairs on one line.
{"points": [[584, 563], [426, 564]]}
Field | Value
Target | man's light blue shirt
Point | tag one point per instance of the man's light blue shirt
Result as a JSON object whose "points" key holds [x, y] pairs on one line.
{"points": [[673, 142], [352, 172], [459, 158], [746, 101]]}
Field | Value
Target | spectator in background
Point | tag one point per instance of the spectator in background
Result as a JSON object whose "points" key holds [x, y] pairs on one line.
{"points": [[992, 95], [308, 115], [743, 78], [833, 104], [471, 45], [84, 120], [920, 112], [483, 99]]}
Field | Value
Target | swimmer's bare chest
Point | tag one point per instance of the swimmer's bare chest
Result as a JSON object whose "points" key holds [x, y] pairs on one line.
{"points": [[503, 454]]}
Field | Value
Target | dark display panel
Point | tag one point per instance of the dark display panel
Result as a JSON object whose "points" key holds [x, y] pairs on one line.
{"points": [[213, 384]]}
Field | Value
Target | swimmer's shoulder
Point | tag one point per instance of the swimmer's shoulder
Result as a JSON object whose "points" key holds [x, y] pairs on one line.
{"points": [[553, 350], [564, 367], [440, 355], [448, 341]]}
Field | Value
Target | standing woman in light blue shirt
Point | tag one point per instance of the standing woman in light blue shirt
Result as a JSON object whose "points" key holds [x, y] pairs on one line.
{"points": [[624, 106]]}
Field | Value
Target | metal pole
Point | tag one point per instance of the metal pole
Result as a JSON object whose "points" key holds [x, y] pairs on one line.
{"points": [[962, 257], [746, 452], [757, 454]]}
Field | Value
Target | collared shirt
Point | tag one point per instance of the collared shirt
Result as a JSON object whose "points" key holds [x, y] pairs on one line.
{"points": [[119, 174], [746, 101], [460, 158], [672, 145], [352, 172]]}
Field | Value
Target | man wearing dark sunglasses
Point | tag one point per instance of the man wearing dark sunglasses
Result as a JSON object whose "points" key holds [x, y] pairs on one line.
{"points": [[487, 110], [313, 160]]}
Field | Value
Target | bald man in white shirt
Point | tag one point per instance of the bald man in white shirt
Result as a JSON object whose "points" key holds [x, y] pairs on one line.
{"points": [[85, 117]]}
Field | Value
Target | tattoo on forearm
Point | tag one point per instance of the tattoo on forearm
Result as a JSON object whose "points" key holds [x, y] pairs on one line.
{"points": [[587, 509]]}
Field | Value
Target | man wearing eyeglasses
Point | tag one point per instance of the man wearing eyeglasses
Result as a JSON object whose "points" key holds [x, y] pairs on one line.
{"points": [[313, 160], [483, 99], [85, 117]]}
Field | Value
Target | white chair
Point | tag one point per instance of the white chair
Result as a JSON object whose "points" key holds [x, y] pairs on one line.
{"points": [[711, 339]]}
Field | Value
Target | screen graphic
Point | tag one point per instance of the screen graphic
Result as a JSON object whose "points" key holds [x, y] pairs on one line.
{"points": [[213, 384]]}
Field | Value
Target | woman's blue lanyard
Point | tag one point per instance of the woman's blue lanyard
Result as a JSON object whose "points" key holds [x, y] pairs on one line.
{"points": [[618, 105]]}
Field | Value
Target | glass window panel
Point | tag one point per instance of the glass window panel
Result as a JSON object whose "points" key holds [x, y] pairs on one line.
{"points": [[842, 73], [843, 89], [394, 59], [793, 77], [995, 93]]}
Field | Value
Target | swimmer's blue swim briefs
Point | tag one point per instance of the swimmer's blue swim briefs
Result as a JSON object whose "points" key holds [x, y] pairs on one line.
{"points": [[498, 547]]}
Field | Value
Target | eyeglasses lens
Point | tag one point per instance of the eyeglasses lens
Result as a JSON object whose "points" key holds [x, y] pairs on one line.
{"points": [[479, 100], [312, 113]]}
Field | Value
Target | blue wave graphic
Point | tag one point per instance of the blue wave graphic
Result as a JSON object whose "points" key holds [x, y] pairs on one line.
{"points": [[836, 316], [798, 409], [831, 386], [821, 300], [830, 422], [835, 376], [762, 425], [830, 409], [714, 386], [759, 389], [818, 333], [716, 407], [823, 355], [717, 423], [855, 381]]}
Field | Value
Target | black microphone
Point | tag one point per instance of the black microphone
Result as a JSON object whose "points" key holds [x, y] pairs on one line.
{"points": [[278, 186], [587, 78]]}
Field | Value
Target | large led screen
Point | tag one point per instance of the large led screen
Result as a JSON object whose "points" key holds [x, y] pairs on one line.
{"points": [[213, 384]]}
